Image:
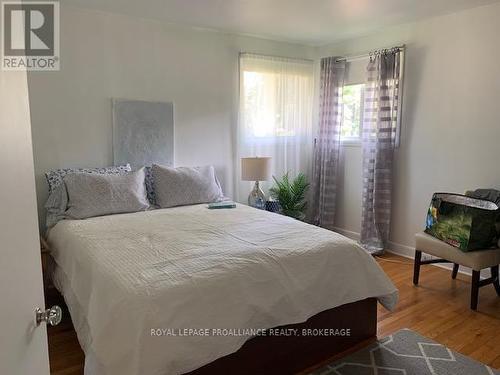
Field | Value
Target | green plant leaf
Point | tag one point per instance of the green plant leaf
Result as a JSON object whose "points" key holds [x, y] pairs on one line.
{"points": [[291, 195]]}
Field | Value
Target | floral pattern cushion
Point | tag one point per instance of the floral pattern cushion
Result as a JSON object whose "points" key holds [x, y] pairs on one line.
{"points": [[150, 190]]}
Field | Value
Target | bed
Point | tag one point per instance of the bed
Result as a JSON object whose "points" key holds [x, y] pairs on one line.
{"points": [[188, 289]]}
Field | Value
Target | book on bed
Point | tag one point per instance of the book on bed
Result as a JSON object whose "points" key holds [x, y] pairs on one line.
{"points": [[223, 204]]}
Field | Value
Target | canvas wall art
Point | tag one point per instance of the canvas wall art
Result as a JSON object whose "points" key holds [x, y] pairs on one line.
{"points": [[143, 132]]}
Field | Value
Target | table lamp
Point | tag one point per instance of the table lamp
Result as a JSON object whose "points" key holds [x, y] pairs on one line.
{"points": [[256, 169]]}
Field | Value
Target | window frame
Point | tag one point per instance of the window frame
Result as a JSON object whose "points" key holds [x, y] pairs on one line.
{"points": [[350, 141]]}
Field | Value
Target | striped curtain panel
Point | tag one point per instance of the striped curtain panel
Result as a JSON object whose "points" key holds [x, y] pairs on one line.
{"points": [[380, 136], [327, 143]]}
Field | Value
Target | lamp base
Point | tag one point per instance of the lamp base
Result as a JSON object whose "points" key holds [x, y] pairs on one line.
{"points": [[257, 197]]}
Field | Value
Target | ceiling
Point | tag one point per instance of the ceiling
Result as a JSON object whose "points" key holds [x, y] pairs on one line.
{"points": [[313, 22]]}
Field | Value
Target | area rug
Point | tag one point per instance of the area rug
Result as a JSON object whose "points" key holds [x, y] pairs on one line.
{"points": [[407, 353]]}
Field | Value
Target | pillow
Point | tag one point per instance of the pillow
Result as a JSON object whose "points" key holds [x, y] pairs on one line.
{"points": [[57, 201], [56, 176], [150, 190], [182, 186], [92, 195], [56, 205]]}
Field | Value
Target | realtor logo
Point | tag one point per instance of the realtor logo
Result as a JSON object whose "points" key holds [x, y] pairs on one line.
{"points": [[30, 35]]}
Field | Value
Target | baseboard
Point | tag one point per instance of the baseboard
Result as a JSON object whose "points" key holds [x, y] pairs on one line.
{"points": [[349, 234], [400, 249], [409, 252]]}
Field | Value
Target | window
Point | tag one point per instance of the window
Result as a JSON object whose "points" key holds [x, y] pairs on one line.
{"points": [[275, 116], [352, 113], [276, 97], [263, 105]]}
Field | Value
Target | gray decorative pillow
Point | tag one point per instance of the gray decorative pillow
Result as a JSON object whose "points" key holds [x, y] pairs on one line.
{"points": [[58, 197], [92, 195], [56, 176], [183, 186]]}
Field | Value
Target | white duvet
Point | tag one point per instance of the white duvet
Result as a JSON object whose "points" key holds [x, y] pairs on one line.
{"points": [[193, 268]]}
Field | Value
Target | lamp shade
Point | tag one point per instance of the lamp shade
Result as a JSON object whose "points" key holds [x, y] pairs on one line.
{"points": [[256, 169]]}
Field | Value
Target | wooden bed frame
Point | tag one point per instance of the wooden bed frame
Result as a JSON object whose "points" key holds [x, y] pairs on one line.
{"points": [[292, 354]]}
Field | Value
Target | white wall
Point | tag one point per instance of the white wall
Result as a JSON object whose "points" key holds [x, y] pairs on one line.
{"points": [[105, 55], [452, 88], [451, 121]]}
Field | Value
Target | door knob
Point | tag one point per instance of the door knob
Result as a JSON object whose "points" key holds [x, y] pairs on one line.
{"points": [[51, 316]]}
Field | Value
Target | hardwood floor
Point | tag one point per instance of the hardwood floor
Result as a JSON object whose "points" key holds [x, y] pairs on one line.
{"points": [[438, 308]]}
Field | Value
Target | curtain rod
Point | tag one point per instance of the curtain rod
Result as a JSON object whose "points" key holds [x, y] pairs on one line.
{"points": [[366, 55], [276, 57]]}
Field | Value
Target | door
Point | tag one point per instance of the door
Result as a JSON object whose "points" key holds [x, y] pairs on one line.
{"points": [[23, 343]]}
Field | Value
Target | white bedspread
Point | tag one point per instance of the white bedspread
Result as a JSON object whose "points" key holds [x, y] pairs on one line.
{"points": [[191, 267]]}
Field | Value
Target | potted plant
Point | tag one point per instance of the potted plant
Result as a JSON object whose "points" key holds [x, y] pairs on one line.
{"points": [[291, 195]]}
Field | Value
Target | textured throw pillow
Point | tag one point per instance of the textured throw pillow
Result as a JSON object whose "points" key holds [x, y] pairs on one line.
{"points": [[183, 186], [57, 201], [92, 195], [150, 189], [55, 177]]}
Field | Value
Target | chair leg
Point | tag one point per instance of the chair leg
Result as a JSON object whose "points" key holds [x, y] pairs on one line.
{"points": [[496, 279], [455, 270], [416, 266], [474, 292]]}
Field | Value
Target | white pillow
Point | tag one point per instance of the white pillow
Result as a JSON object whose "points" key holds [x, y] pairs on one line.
{"points": [[182, 186], [92, 195], [57, 201]]}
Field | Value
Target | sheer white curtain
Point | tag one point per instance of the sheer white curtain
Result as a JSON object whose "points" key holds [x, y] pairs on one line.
{"points": [[275, 117]]}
